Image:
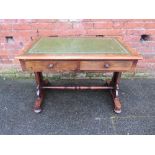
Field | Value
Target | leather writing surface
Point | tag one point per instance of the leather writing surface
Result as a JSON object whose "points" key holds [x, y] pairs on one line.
{"points": [[78, 46]]}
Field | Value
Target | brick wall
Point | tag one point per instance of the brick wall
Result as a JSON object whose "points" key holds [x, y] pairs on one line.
{"points": [[17, 33]]}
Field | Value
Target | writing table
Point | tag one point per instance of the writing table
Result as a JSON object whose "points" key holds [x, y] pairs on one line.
{"points": [[78, 54]]}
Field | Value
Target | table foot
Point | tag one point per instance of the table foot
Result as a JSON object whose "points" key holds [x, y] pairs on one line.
{"points": [[37, 110], [37, 105], [40, 93], [116, 101], [117, 111], [117, 105], [114, 92]]}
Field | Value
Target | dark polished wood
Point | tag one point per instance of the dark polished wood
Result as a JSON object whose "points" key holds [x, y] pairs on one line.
{"points": [[78, 87], [39, 92], [115, 92]]}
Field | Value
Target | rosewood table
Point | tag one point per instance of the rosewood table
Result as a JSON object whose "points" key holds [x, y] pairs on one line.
{"points": [[78, 54]]}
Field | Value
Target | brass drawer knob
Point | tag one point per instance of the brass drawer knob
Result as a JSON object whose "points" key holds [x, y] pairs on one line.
{"points": [[50, 66], [106, 65]]}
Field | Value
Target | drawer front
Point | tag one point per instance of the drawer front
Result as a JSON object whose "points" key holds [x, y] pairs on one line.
{"points": [[106, 65], [51, 66]]}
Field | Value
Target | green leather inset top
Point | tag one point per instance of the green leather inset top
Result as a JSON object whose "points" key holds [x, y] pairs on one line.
{"points": [[77, 46]]}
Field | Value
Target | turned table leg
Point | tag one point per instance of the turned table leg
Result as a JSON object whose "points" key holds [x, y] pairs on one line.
{"points": [[114, 92], [39, 92]]}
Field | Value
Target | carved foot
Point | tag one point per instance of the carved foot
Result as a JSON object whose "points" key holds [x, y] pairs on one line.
{"points": [[37, 105], [116, 100], [117, 105]]}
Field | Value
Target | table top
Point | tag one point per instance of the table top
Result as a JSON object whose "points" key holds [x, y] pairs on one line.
{"points": [[79, 48]]}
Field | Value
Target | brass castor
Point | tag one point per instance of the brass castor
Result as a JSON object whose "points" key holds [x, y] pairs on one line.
{"points": [[37, 110], [117, 111], [118, 106]]}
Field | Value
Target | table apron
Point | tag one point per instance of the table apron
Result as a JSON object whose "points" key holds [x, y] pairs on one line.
{"points": [[75, 66]]}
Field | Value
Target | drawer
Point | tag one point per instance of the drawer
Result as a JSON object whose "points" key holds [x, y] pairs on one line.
{"points": [[50, 66], [106, 65]]}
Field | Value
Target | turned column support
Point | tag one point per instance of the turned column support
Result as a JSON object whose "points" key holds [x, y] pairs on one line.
{"points": [[39, 92], [115, 92]]}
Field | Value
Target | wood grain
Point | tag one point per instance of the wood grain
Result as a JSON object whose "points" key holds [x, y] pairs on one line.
{"points": [[51, 66], [106, 65]]}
